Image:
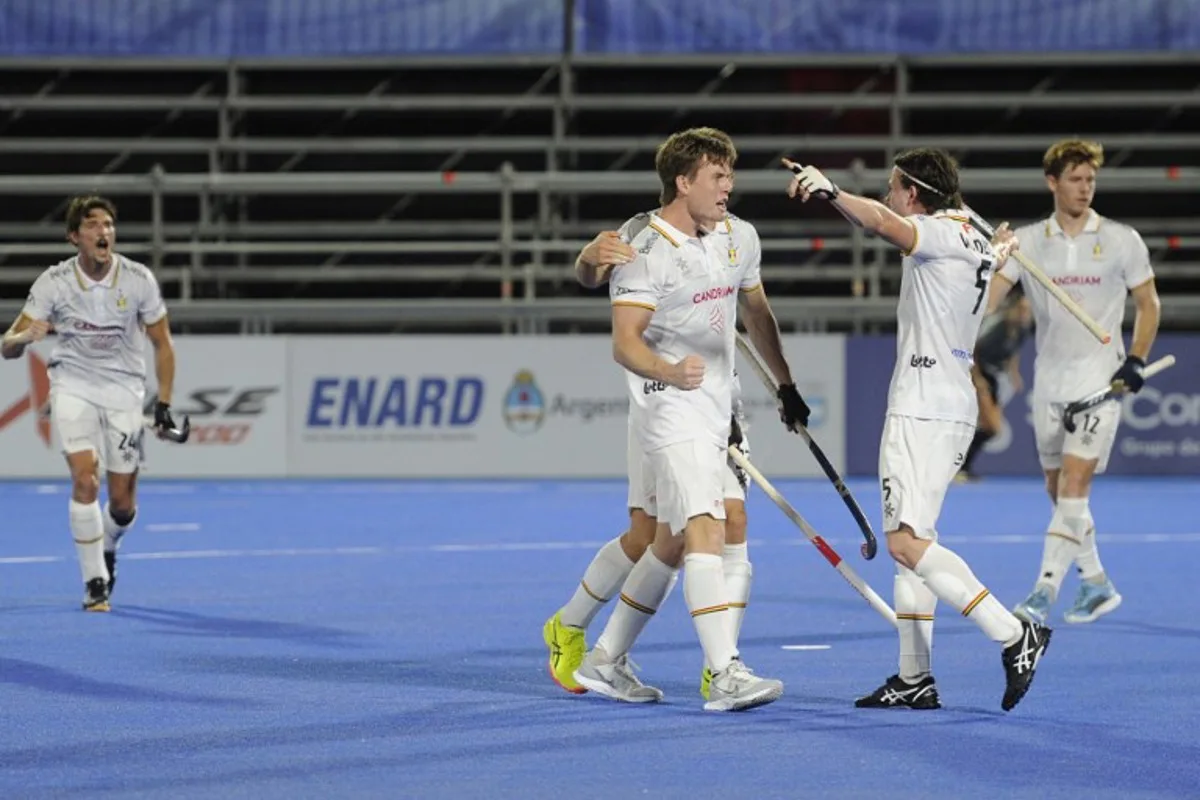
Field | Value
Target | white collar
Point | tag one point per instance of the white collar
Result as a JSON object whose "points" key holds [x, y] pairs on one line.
{"points": [[1091, 226]]}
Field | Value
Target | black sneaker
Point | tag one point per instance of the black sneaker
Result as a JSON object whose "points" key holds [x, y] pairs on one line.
{"points": [[1020, 659], [95, 597], [899, 693], [110, 561]]}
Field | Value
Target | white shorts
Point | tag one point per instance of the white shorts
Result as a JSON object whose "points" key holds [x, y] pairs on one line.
{"points": [[918, 459], [688, 480], [1095, 433], [641, 487], [115, 436]]}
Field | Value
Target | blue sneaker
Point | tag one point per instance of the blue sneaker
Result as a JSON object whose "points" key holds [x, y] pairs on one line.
{"points": [[1035, 607], [1093, 601]]}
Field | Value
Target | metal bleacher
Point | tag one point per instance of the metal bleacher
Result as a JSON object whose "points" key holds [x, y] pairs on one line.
{"points": [[422, 194]]}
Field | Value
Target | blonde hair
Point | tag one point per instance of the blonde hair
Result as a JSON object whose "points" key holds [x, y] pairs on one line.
{"points": [[684, 152], [1068, 153]]}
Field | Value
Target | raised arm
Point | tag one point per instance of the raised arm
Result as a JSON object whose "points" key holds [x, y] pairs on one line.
{"points": [[596, 261], [870, 215]]}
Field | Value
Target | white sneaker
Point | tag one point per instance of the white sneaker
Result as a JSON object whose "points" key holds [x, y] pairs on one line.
{"points": [[614, 678], [736, 688]]}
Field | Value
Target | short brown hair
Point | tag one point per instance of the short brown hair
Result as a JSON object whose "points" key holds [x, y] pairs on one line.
{"points": [[935, 168], [1068, 153], [683, 153], [78, 209]]}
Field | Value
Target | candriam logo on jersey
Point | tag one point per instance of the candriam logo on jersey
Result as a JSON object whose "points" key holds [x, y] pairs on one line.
{"points": [[525, 409], [393, 408], [220, 415]]}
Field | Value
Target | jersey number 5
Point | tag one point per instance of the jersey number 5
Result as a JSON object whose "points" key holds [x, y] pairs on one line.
{"points": [[981, 283]]}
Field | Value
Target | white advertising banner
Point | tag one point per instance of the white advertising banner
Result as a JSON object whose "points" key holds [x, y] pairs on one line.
{"points": [[818, 365], [389, 406], [545, 407], [232, 387]]}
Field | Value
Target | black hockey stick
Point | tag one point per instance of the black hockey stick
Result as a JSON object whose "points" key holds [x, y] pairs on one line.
{"points": [[870, 546], [1113, 392]]}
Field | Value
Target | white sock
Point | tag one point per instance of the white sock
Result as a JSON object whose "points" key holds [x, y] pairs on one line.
{"points": [[87, 529], [601, 580], [1063, 540], [949, 577], [739, 574], [915, 604], [648, 584], [112, 531], [1088, 557], [708, 600]]}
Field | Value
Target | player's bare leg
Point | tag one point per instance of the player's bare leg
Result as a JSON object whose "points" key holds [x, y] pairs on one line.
{"points": [[948, 577], [564, 633], [87, 528], [1071, 537], [118, 517]]}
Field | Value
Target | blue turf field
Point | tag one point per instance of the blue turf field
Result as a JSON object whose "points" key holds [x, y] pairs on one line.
{"points": [[339, 639]]}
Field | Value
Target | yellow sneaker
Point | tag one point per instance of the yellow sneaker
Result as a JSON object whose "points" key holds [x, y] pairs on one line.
{"points": [[705, 681], [567, 649]]}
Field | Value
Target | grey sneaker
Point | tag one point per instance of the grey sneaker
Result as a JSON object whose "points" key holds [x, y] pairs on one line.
{"points": [[1093, 601], [736, 688], [1035, 607], [614, 678]]}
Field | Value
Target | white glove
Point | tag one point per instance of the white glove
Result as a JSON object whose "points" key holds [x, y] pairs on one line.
{"points": [[809, 182]]}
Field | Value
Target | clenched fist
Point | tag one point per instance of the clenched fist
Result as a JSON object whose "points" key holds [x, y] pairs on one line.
{"points": [[688, 374]]}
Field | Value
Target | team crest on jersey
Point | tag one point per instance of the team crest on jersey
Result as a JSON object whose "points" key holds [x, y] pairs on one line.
{"points": [[1097, 251], [732, 252], [122, 301]]}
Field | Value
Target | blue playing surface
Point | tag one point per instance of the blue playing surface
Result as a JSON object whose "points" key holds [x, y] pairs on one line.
{"points": [[373, 639]]}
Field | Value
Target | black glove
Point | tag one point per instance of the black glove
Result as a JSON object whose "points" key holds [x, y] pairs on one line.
{"points": [[735, 433], [1130, 374], [793, 411], [162, 417]]}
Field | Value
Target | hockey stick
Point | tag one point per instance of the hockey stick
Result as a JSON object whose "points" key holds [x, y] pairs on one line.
{"points": [[830, 554], [1112, 392], [870, 546], [179, 434], [1041, 277]]}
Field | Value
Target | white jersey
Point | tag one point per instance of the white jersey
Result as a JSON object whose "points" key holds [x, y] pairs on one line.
{"points": [[631, 228], [691, 285], [943, 297], [100, 352], [1097, 269]]}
